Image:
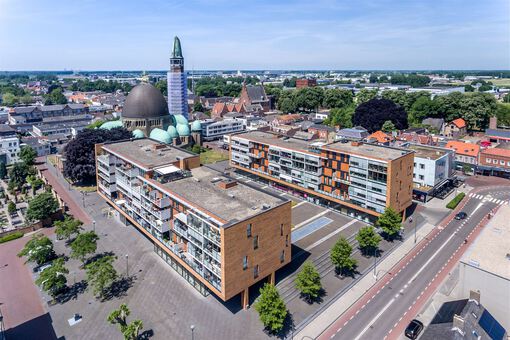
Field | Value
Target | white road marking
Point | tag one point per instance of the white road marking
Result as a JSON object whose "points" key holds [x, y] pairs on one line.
{"points": [[315, 244], [374, 319], [310, 219], [297, 205]]}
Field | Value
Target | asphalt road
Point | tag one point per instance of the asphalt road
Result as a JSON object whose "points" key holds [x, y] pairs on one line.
{"points": [[384, 309]]}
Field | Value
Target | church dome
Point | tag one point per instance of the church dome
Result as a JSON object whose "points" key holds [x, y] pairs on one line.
{"points": [[180, 119], [172, 131], [145, 101], [111, 125], [161, 136], [183, 130], [196, 126], [137, 134]]}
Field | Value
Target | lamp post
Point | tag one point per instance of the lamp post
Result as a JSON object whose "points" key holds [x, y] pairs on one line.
{"points": [[127, 265], [192, 329], [94, 224]]}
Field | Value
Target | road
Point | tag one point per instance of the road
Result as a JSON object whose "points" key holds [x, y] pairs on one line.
{"points": [[384, 310]]}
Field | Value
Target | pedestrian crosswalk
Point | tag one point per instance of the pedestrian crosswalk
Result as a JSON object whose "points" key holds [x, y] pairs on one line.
{"points": [[488, 198]]}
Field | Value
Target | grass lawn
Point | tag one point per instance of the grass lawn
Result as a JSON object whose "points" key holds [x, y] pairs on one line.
{"points": [[212, 156], [501, 82]]}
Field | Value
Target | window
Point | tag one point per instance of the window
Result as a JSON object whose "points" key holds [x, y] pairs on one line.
{"points": [[495, 161], [256, 271], [286, 240], [255, 242], [422, 166], [281, 226], [501, 162], [489, 160], [282, 256], [422, 177], [245, 262], [248, 230]]}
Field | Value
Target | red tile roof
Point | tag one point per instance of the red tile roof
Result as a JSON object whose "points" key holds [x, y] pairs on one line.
{"points": [[461, 148], [381, 137], [497, 152], [459, 122]]}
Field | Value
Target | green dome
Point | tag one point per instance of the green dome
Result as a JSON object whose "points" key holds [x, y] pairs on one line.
{"points": [[183, 130], [111, 124], [138, 134], [161, 136], [196, 126], [172, 131], [180, 119]]}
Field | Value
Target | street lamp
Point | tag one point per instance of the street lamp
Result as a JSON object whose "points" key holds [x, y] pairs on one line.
{"points": [[192, 329], [127, 265], [94, 224]]}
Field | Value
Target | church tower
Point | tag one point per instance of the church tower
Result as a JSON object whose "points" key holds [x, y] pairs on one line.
{"points": [[177, 83]]}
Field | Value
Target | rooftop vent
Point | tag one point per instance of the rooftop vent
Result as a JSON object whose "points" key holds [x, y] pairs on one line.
{"points": [[265, 206], [231, 195], [215, 179]]}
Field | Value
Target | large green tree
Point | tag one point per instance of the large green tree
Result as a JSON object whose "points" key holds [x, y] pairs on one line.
{"points": [[39, 249], [422, 108], [101, 274], [18, 175], [308, 282], [28, 155], [388, 126], [337, 98], [119, 316], [84, 245], [341, 256], [373, 113], [133, 329], [390, 222], [364, 95], [56, 96], [41, 207], [271, 308], [368, 239], [67, 227], [53, 279], [341, 117]]}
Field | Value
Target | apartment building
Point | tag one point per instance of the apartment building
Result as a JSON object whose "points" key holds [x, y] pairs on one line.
{"points": [[220, 235], [216, 129], [495, 161], [358, 179]]}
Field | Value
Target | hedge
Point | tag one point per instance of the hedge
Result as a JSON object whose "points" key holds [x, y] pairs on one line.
{"points": [[11, 237], [455, 201]]}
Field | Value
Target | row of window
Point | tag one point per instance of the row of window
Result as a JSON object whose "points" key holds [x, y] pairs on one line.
{"points": [[256, 267], [495, 161]]}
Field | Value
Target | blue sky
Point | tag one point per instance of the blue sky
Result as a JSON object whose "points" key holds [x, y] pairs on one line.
{"points": [[250, 34]]}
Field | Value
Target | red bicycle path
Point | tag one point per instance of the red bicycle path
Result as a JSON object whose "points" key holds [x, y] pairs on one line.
{"points": [[372, 292]]}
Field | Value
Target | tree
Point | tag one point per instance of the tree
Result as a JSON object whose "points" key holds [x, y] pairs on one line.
{"points": [[422, 108], [84, 245], [162, 86], [11, 208], [41, 207], [390, 222], [388, 126], [28, 155], [271, 308], [337, 98], [101, 274], [506, 98], [55, 96], [308, 281], [119, 316], [364, 95], [373, 78], [39, 249], [198, 107], [3, 170], [341, 116], [373, 113], [9, 99], [132, 331], [341, 256], [68, 227], [53, 279], [503, 113], [368, 239], [18, 175], [308, 98], [81, 164]]}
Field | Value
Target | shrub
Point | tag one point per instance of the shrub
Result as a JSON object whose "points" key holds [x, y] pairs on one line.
{"points": [[455, 201], [11, 237]]}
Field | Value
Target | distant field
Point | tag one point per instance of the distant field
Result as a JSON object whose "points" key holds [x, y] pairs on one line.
{"points": [[501, 82]]}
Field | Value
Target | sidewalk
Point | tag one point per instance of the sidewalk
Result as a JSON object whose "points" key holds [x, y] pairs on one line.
{"points": [[353, 295]]}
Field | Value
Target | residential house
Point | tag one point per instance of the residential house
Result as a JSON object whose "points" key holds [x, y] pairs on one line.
{"points": [[455, 129]]}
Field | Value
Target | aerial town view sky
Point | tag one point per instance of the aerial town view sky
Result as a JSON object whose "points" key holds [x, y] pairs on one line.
{"points": [[219, 34]]}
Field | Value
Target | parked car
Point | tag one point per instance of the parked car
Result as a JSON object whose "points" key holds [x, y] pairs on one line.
{"points": [[413, 329], [460, 216]]}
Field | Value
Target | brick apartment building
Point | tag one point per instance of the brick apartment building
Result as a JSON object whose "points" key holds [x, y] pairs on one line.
{"points": [[305, 82], [220, 235], [495, 161], [358, 179]]}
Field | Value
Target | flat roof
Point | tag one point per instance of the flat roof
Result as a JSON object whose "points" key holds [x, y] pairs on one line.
{"points": [[374, 151], [234, 204], [429, 152], [147, 152], [489, 251], [276, 140]]}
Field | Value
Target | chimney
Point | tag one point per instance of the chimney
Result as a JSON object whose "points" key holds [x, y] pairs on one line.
{"points": [[356, 143], [458, 324], [475, 296], [227, 184], [493, 122]]}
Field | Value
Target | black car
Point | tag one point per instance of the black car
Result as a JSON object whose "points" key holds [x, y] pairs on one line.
{"points": [[413, 329], [460, 216]]}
